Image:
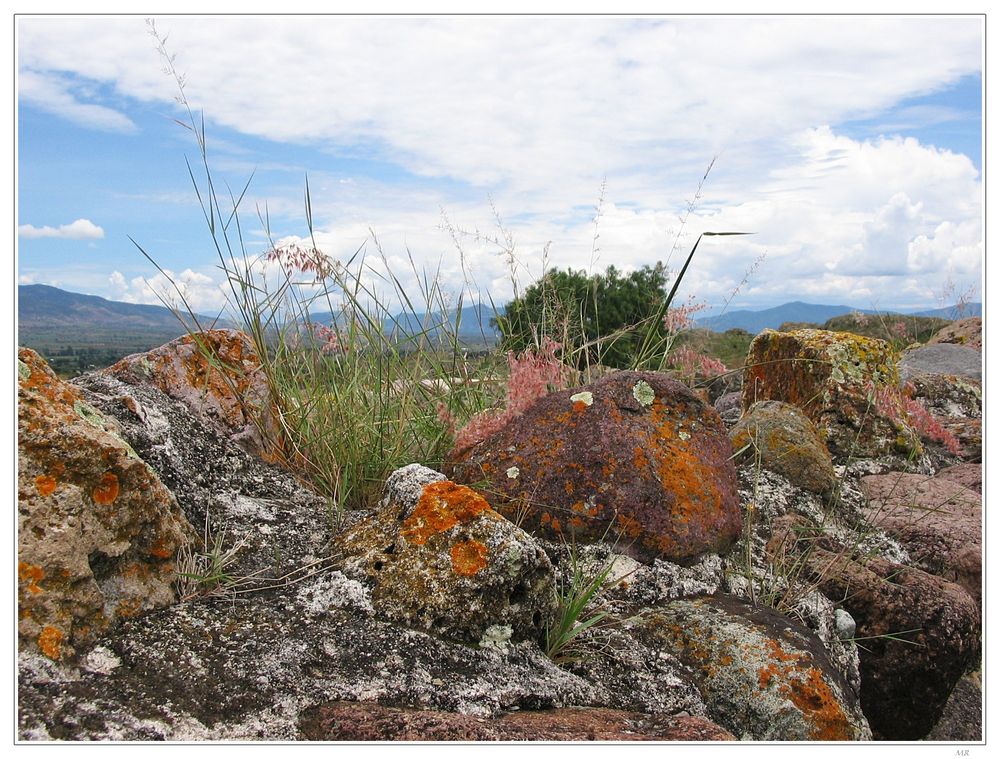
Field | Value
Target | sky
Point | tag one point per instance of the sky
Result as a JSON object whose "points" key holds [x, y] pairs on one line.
{"points": [[850, 146]]}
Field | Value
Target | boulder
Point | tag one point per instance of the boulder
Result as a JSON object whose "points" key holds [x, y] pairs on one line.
{"points": [[762, 676], [439, 559], [218, 375], [345, 721], [953, 403], [98, 533], [967, 332], [831, 376], [634, 458], [783, 440], [729, 407], [917, 632], [938, 521], [942, 358], [967, 475], [962, 718]]}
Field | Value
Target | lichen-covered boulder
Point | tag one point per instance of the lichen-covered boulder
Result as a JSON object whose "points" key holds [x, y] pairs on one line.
{"points": [[439, 559], [942, 358], [967, 332], [762, 676], [98, 533], [919, 632], [833, 377], [218, 375], [951, 403], [729, 407], [634, 458], [937, 520], [783, 440]]}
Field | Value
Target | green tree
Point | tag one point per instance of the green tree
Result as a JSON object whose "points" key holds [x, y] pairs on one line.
{"points": [[598, 319]]}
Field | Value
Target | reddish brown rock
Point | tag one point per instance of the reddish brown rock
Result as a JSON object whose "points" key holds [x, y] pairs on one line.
{"points": [[967, 475], [761, 676], [633, 457], [348, 721], [783, 440], [967, 332], [227, 390], [97, 531], [832, 377], [917, 633], [938, 521]]}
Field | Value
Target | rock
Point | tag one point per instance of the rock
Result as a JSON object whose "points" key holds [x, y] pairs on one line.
{"points": [[942, 358], [954, 403], [245, 669], [229, 392], [279, 526], [967, 475], [634, 457], [962, 718], [967, 332], [938, 521], [918, 633], [439, 559], [98, 533], [762, 677], [831, 377], [729, 407], [786, 442], [345, 721]]}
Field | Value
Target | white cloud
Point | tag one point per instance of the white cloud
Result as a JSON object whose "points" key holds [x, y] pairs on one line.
{"points": [[537, 111], [188, 288], [52, 94], [81, 229]]}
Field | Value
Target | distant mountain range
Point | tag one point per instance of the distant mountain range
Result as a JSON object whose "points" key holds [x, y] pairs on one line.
{"points": [[772, 318]]}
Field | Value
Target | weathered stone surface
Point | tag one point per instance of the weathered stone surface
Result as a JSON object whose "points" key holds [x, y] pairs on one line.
{"points": [[783, 439], [967, 475], [228, 392], [730, 407], [919, 632], [762, 677], [937, 520], [439, 559], [956, 404], [962, 718], [830, 376], [942, 358], [967, 332], [246, 668], [345, 721], [98, 533], [633, 457], [280, 525]]}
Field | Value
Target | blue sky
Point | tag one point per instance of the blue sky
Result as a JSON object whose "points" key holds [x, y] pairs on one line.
{"points": [[849, 146]]}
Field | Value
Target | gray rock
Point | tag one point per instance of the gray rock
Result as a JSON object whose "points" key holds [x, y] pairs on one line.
{"points": [[942, 358], [846, 626]]}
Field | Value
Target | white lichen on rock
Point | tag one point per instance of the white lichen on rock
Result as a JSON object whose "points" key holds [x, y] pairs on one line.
{"points": [[513, 473], [496, 636], [585, 397], [643, 393]]}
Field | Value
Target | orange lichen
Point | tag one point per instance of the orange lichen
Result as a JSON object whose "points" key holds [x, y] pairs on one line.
{"points": [[162, 548], [45, 485], [579, 406], [468, 557], [50, 642], [107, 491], [30, 574], [128, 607], [442, 505]]}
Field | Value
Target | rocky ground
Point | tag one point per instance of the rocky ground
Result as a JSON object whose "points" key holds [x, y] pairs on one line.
{"points": [[823, 583]]}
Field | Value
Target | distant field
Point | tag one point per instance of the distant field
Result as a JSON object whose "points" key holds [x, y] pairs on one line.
{"points": [[72, 352]]}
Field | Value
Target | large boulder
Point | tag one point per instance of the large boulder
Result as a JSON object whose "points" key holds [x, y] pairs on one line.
{"points": [[98, 533], [217, 374], [938, 521], [439, 559], [967, 332], [761, 676], [832, 377], [634, 457], [942, 358], [783, 440], [918, 632]]}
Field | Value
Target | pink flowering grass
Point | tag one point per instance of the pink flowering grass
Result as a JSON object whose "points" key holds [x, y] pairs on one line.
{"points": [[902, 409]]}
